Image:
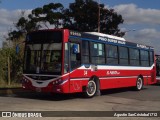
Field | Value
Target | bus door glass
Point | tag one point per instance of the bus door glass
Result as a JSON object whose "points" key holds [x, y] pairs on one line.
{"points": [[158, 66], [75, 56]]}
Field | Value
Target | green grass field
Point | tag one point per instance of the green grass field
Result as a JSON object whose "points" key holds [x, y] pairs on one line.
{"points": [[12, 85]]}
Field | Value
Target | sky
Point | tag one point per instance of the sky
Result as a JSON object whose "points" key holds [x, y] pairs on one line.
{"points": [[141, 17]]}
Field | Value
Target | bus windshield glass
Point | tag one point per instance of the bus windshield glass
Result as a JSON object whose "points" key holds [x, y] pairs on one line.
{"points": [[43, 55]]}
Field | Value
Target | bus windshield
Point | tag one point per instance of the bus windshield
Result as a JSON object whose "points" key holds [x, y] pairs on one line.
{"points": [[47, 60], [43, 56]]}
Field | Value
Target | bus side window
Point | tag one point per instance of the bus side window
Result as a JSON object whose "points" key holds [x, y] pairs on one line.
{"points": [[112, 54], [144, 58], [85, 52]]}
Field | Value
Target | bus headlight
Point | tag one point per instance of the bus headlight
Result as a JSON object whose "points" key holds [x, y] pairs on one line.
{"points": [[24, 80], [57, 82]]}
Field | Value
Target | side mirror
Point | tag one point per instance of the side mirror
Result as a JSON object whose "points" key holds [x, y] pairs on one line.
{"points": [[17, 49], [75, 48]]}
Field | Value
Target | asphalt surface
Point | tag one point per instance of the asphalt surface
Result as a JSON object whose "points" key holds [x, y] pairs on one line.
{"points": [[147, 99]]}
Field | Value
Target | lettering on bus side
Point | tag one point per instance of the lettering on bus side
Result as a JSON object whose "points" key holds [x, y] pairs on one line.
{"points": [[122, 42], [75, 33], [85, 72], [113, 72], [111, 40], [142, 46], [103, 38]]}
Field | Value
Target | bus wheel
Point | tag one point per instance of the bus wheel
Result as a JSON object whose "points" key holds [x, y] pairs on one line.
{"points": [[139, 84], [91, 89]]}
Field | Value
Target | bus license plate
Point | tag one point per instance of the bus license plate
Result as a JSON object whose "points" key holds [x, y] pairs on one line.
{"points": [[38, 89]]}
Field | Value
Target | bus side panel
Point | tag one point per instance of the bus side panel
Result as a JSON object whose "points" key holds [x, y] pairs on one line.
{"points": [[108, 83], [77, 80], [108, 78], [75, 86]]}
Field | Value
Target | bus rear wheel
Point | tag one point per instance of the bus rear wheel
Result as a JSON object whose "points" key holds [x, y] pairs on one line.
{"points": [[139, 84], [91, 89]]}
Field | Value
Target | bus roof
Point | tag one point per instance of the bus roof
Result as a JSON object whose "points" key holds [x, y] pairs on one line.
{"points": [[110, 39]]}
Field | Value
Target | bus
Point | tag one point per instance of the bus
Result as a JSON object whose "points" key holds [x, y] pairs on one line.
{"points": [[66, 61]]}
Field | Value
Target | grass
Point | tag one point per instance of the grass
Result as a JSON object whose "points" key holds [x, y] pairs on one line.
{"points": [[12, 85]]}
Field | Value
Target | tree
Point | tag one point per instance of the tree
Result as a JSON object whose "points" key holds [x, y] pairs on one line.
{"points": [[82, 15], [40, 17], [15, 65], [50, 14]]}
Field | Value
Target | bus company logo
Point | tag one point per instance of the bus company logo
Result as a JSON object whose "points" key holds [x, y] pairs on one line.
{"points": [[21, 114], [6, 114], [113, 73]]}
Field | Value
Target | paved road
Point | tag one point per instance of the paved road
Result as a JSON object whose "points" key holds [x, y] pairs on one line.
{"points": [[147, 99]]}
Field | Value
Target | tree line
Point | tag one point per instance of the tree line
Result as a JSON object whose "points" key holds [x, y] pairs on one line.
{"points": [[81, 15]]}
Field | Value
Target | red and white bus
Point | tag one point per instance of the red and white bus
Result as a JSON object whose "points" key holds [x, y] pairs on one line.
{"points": [[64, 61]]}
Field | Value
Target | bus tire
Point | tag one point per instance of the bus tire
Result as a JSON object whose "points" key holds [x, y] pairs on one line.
{"points": [[91, 89], [139, 84]]}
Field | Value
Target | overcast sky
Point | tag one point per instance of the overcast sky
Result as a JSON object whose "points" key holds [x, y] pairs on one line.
{"points": [[141, 15]]}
